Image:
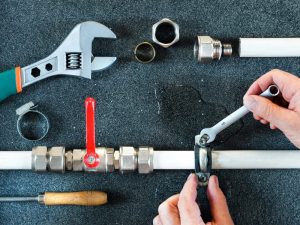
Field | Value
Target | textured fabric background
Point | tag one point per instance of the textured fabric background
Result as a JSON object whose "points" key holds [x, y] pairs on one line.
{"points": [[127, 106]]}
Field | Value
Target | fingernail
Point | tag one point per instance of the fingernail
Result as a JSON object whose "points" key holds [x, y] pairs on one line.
{"points": [[190, 176], [249, 102], [215, 180]]}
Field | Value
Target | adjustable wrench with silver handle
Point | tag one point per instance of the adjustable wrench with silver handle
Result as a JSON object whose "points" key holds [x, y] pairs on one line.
{"points": [[73, 57], [208, 135]]}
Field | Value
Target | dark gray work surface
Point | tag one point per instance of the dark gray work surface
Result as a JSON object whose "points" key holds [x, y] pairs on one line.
{"points": [[127, 108]]}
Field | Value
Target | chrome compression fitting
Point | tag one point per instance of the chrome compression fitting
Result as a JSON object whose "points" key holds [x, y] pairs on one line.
{"points": [[207, 49], [126, 159]]}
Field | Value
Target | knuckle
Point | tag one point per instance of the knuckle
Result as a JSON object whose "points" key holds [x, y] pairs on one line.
{"points": [[164, 208], [275, 71], [267, 111]]}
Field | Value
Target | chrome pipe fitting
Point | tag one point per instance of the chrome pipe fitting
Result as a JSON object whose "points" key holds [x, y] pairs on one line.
{"points": [[126, 159], [165, 33], [207, 49]]}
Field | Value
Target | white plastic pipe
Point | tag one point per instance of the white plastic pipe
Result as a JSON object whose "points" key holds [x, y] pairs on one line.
{"points": [[15, 160], [233, 159], [182, 160], [269, 47]]}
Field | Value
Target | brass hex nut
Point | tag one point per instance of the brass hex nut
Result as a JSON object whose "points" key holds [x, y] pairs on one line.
{"points": [[165, 32], [145, 160], [39, 158], [56, 159]]}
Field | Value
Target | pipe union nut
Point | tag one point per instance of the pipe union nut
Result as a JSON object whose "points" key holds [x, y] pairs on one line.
{"points": [[110, 166], [128, 159], [145, 160], [39, 159], [165, 33], [69, 160], [207, 49], [56, 159], [77, 160]]}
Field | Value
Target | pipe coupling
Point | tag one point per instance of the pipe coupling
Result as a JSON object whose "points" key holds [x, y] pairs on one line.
{"points": [[207, 49], [127, 159], [52, 160], [145, 160]]}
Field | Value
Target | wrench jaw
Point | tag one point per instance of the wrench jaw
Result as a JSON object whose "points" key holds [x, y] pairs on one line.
{"points": [[101, 63], [205, 137], [73, 57], [88, 32]]}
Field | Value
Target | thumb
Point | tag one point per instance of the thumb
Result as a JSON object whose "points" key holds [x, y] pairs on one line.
{"points": [[217, 201], [278, 116]]}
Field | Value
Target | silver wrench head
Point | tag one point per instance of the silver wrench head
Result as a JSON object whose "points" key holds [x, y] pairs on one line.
{"points": [[73, 57], [77, 48]]}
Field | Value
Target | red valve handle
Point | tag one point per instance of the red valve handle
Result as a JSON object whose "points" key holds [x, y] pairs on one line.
{"points": [[91, 158]]}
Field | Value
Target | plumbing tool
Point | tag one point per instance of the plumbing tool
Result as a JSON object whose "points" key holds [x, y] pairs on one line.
{"points": [[83, 198], [73, 57], [208, 135]]}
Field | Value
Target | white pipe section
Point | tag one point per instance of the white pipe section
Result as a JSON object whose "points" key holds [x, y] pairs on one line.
{"points": [[233, 159], [15, 160], [173, 160], [184, 160], [283, 159], [269, 47]]}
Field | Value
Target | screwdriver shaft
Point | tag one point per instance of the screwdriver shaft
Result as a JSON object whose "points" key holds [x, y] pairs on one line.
{"points": [[18, 199]]}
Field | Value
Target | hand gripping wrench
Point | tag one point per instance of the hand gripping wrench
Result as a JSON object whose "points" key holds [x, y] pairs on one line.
{"points": [[73, 57], [208, 135]]}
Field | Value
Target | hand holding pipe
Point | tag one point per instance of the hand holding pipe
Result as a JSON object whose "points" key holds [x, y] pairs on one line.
{"points": [[208, 135]]}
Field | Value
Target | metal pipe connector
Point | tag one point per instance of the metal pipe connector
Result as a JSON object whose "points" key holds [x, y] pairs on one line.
{"points": [[207, 49], [126, 159]]}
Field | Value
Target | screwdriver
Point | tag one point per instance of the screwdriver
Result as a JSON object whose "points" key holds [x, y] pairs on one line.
{"points": [[83, 198]]}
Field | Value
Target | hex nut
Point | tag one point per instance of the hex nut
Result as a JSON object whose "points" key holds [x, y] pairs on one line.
{"points": [[56, 159], [145, 160], [39, 158], [110, 167], [117, 160], [165, 33], [206, 49], [69, 160], [77, 160], [128, 159]]}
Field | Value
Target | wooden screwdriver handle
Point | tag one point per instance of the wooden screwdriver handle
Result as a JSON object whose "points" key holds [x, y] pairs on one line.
{"points": [[85, 198]]}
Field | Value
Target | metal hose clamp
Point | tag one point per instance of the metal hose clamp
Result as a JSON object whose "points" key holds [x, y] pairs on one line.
{"points": [[202, 164], [32, 125]]}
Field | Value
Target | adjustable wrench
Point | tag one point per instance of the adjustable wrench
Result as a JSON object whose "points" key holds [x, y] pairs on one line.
{"points": [[208, 135], [73, 57]]}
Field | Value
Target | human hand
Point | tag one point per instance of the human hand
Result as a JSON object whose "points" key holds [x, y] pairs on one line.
{"points": [[182, 209], [285, 119]]}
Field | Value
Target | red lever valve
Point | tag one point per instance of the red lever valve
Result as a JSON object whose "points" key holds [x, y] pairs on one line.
{"points": [[91, 159]]}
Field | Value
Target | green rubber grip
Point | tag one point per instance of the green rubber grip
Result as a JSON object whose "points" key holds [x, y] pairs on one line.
{"points": [[8, 83]]}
